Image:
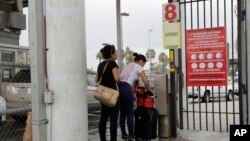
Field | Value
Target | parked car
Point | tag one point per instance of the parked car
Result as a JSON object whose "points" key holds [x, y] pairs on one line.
{"points": [[208, 93], [17, 92], [93, 104], [2, 108]]}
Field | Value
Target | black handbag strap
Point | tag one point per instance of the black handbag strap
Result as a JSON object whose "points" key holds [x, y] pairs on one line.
{"points": [[103, 73]]}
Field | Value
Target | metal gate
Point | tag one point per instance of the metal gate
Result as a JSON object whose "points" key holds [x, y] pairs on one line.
{"points": [[211, 108]]}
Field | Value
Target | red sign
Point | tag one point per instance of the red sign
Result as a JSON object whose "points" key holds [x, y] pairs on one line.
{"points": [[170, 12], [206, 55]]}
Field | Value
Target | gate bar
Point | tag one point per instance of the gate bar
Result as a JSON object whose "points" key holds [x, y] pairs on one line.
{"points": [[225, 23], [233, 55], [198, 26], [185, 21], [218, 22]]}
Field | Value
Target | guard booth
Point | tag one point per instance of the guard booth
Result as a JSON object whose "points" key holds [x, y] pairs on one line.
{"points": [[162, 104]]}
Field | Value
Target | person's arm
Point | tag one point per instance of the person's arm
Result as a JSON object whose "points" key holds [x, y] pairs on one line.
{"points": [[145, 80], [96, 78], [116, 75]]}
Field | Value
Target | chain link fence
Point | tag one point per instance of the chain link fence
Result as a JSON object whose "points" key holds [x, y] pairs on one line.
{"points": [[15, 93]]}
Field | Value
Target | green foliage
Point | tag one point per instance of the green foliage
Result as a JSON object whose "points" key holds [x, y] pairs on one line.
{"points": [[150, 54], [99, 56], [129, 55], [164, 60]]}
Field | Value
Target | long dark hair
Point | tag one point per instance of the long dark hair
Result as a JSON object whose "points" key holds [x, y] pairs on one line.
{"points": [[139, 57], [107, 51]]}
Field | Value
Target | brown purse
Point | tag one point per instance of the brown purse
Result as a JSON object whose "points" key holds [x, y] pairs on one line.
{"points": [[106, 95]]}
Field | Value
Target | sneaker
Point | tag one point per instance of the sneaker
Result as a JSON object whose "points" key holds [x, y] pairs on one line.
{"points": [[131, 139], [124, 137]]}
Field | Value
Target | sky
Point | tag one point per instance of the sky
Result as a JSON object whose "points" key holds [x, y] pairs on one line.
{"points": [[144, 15], [101, 26]]}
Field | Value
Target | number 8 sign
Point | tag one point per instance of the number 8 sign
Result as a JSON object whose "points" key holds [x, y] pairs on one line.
{"points": [[170, 12]]}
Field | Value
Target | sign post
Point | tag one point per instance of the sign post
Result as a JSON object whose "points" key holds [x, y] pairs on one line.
{"points": [[171, 41]]}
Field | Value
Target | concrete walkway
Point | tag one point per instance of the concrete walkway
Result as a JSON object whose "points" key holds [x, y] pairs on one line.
{"points": [[188, 135], [182, 135]]}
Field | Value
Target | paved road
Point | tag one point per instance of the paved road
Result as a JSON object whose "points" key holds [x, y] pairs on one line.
{"points": [[211, 116], [93, 120]]}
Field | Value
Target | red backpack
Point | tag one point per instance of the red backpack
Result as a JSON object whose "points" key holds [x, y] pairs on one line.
{"points": [[144, 98]]}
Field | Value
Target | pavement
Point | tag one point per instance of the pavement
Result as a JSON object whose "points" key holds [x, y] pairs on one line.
{"points": [[182, 135], [190, 135]]}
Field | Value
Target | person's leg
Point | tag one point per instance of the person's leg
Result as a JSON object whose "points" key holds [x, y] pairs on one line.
{"points": [[122, 122], [130, 118], [114, 113], [130, 110], [123, 116], [103, 121]]}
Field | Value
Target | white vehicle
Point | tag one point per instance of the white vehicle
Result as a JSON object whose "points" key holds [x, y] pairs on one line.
{"points": [[17, 90], [208, 93], [2, 108]]}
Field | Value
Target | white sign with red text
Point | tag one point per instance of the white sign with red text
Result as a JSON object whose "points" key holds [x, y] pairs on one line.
{"points": [[170, 12]]}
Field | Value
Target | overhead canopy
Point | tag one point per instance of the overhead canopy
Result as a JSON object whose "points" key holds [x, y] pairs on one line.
{"points": [[25, 3], [10, 5]]}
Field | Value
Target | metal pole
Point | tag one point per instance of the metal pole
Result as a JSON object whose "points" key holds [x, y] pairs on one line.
{"points": [[172, 103], [244, 60], [119, 33], [66, 67], [36, 43], [149, 50], [246, 89], [181, 84], [122, 14], [240, 45], [121, 50]]}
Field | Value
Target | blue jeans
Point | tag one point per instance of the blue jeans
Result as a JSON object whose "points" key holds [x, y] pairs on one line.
{"points": [[107, 112], [126, 108]]}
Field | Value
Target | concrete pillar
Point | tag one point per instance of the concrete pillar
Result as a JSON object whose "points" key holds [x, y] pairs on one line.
{"points": [[66, 67]]}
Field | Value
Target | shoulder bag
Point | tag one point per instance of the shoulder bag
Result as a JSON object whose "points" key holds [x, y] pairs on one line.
{"points": [[106, 95]]}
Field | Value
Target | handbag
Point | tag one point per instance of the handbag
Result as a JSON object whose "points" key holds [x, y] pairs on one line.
{"points": [[106, 95]]}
